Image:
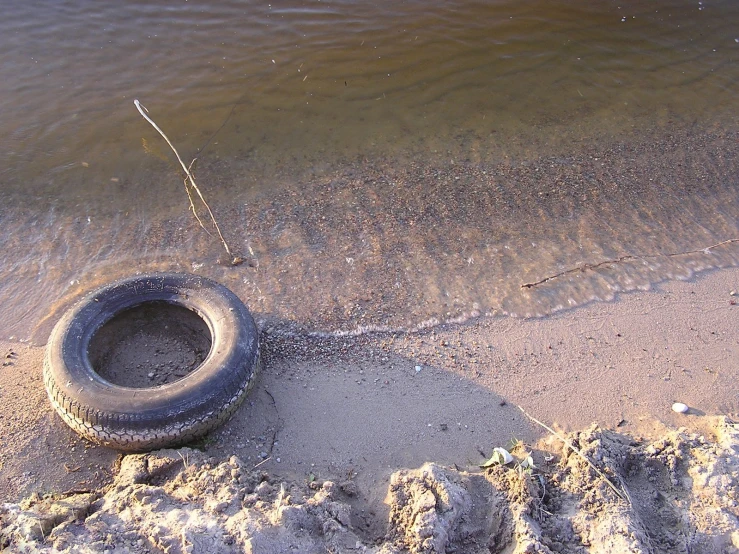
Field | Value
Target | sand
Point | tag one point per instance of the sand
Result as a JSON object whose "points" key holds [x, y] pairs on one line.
{"points": [[373, 443]]}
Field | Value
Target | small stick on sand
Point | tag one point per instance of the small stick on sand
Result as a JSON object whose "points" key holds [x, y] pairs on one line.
{"points": [[621, 494], [262, 462], [190, 182]]}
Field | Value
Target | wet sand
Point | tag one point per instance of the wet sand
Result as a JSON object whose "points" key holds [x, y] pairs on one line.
{"points": [[365, 407], [379, 244]]}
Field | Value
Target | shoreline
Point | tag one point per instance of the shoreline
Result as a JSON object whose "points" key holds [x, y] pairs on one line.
{"points": [[616, 363], [369, 406], [378, 244]]}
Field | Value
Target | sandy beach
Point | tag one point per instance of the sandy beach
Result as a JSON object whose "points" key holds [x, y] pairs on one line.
{"points": [[491, 250], [338, 429]]}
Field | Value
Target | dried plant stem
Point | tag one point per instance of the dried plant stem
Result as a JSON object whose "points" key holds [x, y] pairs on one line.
{"points": [[627, 258], [190, 182], [621, 494]]}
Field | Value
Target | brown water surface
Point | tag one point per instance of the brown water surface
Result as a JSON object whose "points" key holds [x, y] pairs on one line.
{"points": [[384, 164]]}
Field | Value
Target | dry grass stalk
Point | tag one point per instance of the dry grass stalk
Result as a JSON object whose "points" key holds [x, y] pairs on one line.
{"points": [[627, 258], [190, 183], [621, 494]]}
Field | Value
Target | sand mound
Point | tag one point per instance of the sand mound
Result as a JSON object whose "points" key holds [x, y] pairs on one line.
{"points": [[677, 494]]}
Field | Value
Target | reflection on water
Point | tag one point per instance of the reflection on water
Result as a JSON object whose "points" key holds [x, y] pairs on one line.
{"points": [[388, 164]]}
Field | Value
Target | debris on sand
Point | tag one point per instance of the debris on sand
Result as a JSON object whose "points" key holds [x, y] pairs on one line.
{"points": [[679, 494]]}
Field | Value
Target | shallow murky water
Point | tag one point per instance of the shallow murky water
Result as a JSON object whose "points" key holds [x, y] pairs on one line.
{"points": [[380, 164]]}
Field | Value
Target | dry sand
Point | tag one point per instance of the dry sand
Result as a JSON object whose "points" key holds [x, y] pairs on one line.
{"points": [[373, 443]]}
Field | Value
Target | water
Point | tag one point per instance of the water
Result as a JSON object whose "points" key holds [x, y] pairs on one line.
{"points": [[387, 164]]}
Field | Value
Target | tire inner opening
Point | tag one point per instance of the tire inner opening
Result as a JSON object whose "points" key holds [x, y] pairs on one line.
{"points": [[149, 345]]}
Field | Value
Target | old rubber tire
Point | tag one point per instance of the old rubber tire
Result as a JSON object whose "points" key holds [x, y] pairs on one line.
{"points": [[139, 419]]}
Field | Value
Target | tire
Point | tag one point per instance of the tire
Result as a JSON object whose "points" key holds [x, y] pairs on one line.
{"points": [[140, 419]]}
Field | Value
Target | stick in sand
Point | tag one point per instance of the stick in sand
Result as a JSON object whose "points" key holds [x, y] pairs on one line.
{"points": [[190, 182], [621, 494]]}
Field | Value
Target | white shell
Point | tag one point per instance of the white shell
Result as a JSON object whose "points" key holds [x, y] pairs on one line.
{"points": [[680, 408], [505, 455]]}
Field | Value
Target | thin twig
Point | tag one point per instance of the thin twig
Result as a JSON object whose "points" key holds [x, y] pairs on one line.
{"points": [[184, 460], [262, 462], [585, 267], [621, 494], [189, 180], [189, 198], [228, 117], [141, 108]]}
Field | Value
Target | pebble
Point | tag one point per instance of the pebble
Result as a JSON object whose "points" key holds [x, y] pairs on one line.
{"points": [[680, 408], [418, 368]]}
